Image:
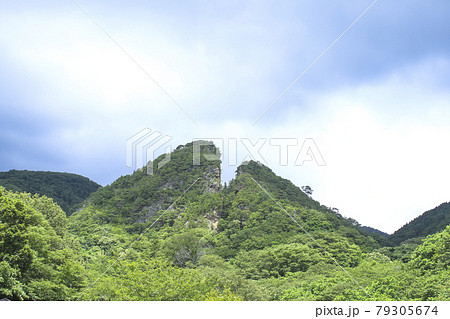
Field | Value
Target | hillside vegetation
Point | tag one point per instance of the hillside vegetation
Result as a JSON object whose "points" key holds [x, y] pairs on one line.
{"points": [[180, 235], [68, 190], [428, 223]]}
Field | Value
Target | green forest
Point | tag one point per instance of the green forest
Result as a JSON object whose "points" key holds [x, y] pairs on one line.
{"points": [[67, 190], [180, 234]]}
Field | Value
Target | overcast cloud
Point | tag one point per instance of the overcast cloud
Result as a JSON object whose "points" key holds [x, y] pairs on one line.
{"points": [[377, 104]]}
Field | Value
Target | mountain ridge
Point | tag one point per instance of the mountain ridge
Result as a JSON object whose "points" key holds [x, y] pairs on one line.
{"points": [[67, 189], [178, 234], [429, 222]]}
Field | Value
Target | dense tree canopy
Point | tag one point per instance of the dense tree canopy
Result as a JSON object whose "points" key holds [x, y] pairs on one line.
{"points": [[178, 235], [428, 223], [38, 258], [68, 190]]}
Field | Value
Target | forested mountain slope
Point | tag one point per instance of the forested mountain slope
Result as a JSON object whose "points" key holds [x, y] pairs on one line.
{"points": [[39, 259], [430, 222], [68, 190], [271, 210], [177, 234], [137, 197], [372, 230], [189, 221]]}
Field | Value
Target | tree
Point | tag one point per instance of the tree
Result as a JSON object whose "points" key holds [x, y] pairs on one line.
{"points": [[156, 279], [36, 261], [277, 261], [185, 248], [434, 253], [307, 190], [10, 286]]}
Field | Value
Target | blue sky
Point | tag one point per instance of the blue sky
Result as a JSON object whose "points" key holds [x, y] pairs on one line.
{"points": [[377, 104]]}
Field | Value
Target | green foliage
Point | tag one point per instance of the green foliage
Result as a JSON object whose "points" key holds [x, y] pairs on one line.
{"points": [[10, 286], [434, 253], [376, 278], [185, 248], [430, 222], [276, 261], [141, 196], [380, 237], [68, 190], [51, 211], [156, 279], [402, 252], [251, 220], [36, 254], [280, 188], [147, 237], [14, 238]]}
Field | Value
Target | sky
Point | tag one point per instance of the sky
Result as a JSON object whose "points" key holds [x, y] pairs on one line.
{"points": [[80, 78]]}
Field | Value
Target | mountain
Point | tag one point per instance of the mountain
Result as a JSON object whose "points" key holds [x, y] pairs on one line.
{"points": [[68, 190], [258, 238], [257, 210], [269, 206], [375, 231], [171, 231], [243, 213], [430, 222], [381, 237], [138, 197]]}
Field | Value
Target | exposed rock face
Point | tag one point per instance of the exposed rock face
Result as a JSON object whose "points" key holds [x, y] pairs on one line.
{"points": [[149, 212], [212, 184], [212, 180], [212, 220], [145, 196], [168, 185]]}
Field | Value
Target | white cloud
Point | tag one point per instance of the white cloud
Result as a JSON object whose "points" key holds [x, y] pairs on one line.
{"points": [[384, 141], [385, 147]]}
